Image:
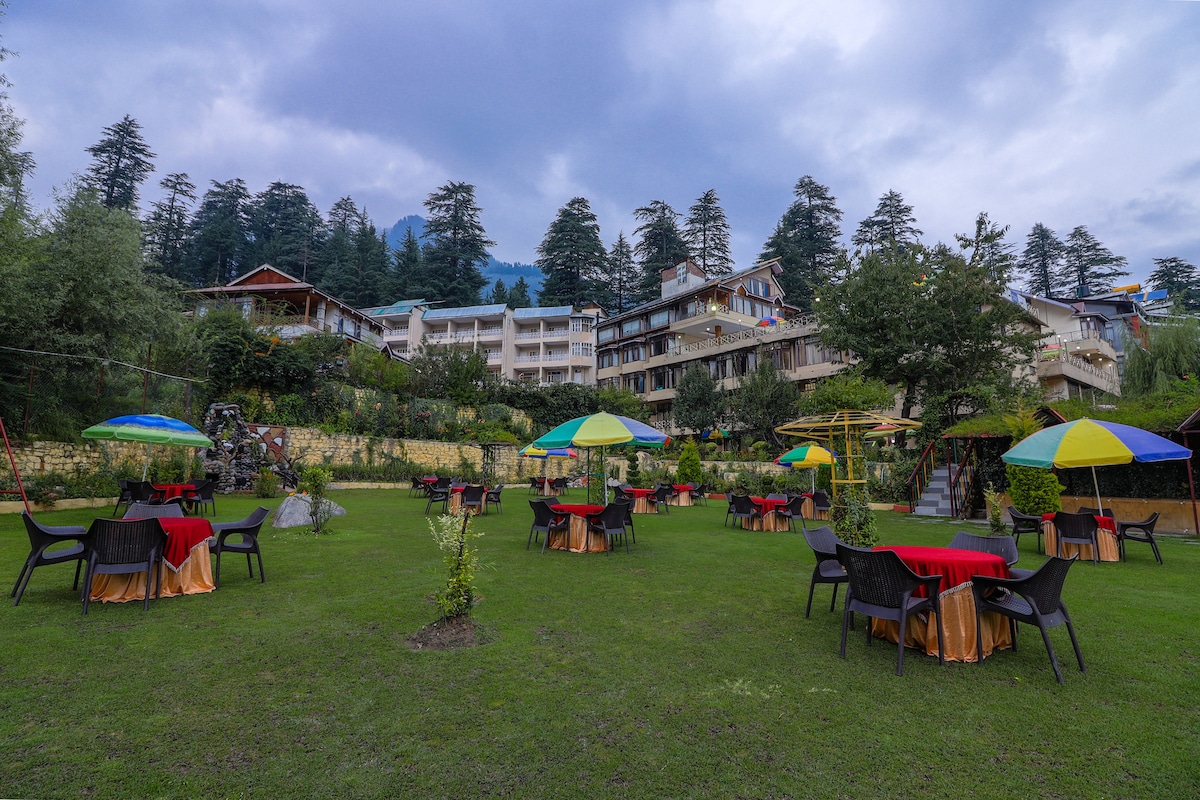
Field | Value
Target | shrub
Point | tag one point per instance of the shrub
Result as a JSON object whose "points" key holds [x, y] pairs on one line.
{"points": [[267, 485], [1034, 490], [453, 535], [995, 512], [689, 469], [853, 520], [314, 481]]}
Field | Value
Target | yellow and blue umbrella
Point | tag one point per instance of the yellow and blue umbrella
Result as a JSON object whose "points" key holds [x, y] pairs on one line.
{"points": [[599, 430], [529, 451], [806, 456], [714, 433], [1093, 443], [151, 429]]}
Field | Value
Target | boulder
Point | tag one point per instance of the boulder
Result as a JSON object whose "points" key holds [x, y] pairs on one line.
{"points": [[293, 512]]}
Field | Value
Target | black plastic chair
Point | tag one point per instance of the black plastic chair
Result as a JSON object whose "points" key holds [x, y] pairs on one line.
{"points": [[439, 494], [41, 539], [559, 485], [609, 523], [1034, 600], [699, 494], [1025, 523], [728, 509], [417, 489], [201, 496], [883, 587], [627, 504], [534, 485], [147, 511], [1146, 527], [247, 530], [828, 569], [492, 498], [662, 498], [545, 520], [143, 492], [124, 498], [821, 504], [1003, 546], [1078, 529], [124, 547], [793, 510], [472, 497], [742, 507]]}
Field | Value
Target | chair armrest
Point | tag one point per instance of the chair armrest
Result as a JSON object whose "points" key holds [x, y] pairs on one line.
{"points": [[932, 583]]}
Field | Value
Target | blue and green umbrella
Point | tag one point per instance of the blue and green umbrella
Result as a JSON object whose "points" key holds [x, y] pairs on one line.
{"points": [[600, 430], [151, 429]]}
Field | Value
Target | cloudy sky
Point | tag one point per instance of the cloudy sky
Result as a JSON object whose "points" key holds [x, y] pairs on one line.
{"points": [[1064, 112]]}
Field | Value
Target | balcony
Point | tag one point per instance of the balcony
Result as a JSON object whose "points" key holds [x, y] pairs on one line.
{"points": [[491, 333], [744, 337], [1088, 344], [1056, 365], [528, 336]]}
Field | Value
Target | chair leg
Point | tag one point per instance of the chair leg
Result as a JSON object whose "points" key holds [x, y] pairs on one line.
{"points": [[1154, 547], [1074, 641], [900, 646], [87, 588], [23, 580], [217, 574], [812, 585], [262, 576], [249, 565], [937, 610], [833, 599], [845, 626], [1050, 650]]}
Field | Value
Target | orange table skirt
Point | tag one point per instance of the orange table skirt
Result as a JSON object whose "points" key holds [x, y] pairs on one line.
{"points": [[958, 627], [194, 576], [767, 522], [681, 499], [1107, 540], [456, 504], [642, 505], [575, 538]]}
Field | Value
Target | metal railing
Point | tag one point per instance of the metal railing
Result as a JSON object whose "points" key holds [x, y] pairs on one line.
{"points": [[963, 481], [743, 335], [918, 479]]}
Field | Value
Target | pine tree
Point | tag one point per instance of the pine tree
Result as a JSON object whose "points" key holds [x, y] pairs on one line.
{"points": [[987, 249], [456, 249], [660, 245], [571, 256], [805, 240], [891, 226], [120, 162], [499, 293], [1041, 261], [1179, 278], [1088, 263], [286, 231], [706, 233], [518, 295], [218, 234], [618, 278], [166, 227], [407, 263]]}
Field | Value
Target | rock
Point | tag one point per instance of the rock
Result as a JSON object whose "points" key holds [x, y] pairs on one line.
{"points": [[293, 512]]}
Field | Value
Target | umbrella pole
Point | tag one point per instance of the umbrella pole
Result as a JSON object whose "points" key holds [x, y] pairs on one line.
{"points": [[604, 474], [1096, 483], [146, 466]]}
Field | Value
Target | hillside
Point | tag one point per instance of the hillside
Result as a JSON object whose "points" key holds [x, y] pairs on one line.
{"points": [[495, 270]]}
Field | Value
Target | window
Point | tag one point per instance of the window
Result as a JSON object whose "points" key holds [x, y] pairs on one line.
{"points": [[607, 334], [633, 352], [681, 273], [660, 318], [636, 382], [581, 348], [607, 358], [758, 287], [631, 326]]}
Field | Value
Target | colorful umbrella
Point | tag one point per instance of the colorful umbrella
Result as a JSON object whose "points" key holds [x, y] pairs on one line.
{"points": [[806, 456], [767, 321], [529, 451], [149, 428], [600, 430], [715, 433], [1093, 443]]}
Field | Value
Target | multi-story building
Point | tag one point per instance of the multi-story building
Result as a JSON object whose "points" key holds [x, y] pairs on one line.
{"points": [[544, 345], [724, 324], [270, 297]]}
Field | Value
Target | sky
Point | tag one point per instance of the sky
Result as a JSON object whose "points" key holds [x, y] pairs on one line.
{"points": [[1063, 112]]}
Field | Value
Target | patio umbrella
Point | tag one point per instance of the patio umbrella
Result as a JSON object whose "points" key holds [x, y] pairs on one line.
{"points": [[1093, 443], [600, 430], [149, 428], [807, 456], [715, 433], [529, 451]]}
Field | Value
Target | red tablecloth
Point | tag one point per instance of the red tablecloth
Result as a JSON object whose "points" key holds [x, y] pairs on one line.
{"points": [[682, 488], [576, 538], [955, 566], [639, 493], [766, 506], [166, 491], [182, 535], [578, 509], [186, 567]]}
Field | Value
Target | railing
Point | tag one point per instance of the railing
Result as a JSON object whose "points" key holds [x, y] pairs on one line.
{"points": [[528, 335], [922, 472], [742, 335], [963, 480], [701, 311], [1083, 365]]}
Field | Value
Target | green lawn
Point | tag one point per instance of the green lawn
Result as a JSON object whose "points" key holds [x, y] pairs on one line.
{"points": [[683, 669]]}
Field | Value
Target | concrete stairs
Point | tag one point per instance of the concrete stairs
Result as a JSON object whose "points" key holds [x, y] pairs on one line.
{"points": [[935, 500]]}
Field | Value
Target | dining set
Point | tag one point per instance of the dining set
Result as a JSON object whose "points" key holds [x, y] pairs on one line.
{"points": [[961, 602], [193, 498], [153, 550], [453, 495], [582, 527], [776, 512]]}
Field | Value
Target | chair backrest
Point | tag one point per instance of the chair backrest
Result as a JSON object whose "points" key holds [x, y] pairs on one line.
{"points": [[627, 504], [542, 514], [820, 500], [140, 491], [255, 520], [612, 518], [777, 496], [473, 495], [742, 504], [204, 490], [663, 493], [1044, 587], [1087, 510], [1075, 526], [823, 542], [1017, 517], [146, 511], [493, 494], [40, 535], [795, 505], [131, 541], [442, 483], [1002, 546], [559, 483], [877, 577]]}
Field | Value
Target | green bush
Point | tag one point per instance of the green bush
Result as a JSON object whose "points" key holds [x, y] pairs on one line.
{"points": [[1033, 490], [689, 469], [853, 520]]}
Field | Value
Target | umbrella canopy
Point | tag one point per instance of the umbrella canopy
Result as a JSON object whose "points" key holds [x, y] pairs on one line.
{"points": [[597, 430], [715, 433], [768, 321], [151, 429], [1093, 443], [529, 451], [805, 457]]}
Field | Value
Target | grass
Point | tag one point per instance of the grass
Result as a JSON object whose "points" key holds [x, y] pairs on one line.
{"points": [[683, 669]]}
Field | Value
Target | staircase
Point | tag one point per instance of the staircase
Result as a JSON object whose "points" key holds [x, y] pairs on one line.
{"points": [[935, 499]]}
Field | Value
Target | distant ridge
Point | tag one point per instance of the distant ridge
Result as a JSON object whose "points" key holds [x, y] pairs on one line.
{"points": [[495, 270]]}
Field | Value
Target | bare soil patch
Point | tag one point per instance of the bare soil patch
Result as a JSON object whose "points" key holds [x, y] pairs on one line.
{"points": [[447, 633]]}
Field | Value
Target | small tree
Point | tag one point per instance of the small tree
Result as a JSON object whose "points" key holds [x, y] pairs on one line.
{"points": [[314, 482], [853, 520], [1032, 490], [453, 535], [689, 469]]}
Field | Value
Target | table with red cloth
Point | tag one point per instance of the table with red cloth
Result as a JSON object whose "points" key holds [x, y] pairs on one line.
{"points": [[1106, 537], [958, 603], [546, 487], [767, 520], [169, 491], [456, 500], [641, 501], [575, 538], [683, 496], [186, 567]]}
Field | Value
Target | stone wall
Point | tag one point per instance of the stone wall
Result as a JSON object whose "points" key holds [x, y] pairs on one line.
{"points": [[39, 458]]}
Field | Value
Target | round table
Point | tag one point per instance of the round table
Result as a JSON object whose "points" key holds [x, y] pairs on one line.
{"points": [[575, 538]]}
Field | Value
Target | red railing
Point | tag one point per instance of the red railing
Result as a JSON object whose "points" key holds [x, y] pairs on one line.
{"points": [[921, 474]]}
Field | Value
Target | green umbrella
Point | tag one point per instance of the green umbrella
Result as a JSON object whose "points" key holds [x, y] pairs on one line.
{"points": [[599, 430], [149, 428]]}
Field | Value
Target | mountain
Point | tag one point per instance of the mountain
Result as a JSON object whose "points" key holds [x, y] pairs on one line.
{"points": [[495, 270]]}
